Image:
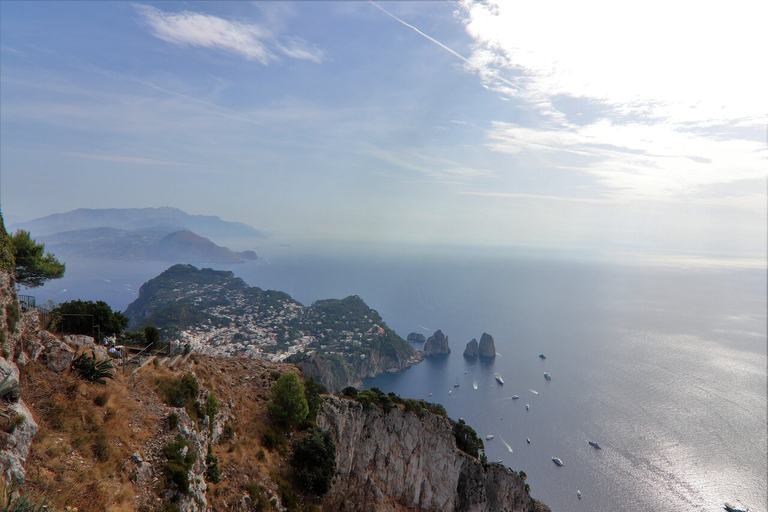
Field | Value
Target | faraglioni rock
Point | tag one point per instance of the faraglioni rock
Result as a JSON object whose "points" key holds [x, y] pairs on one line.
{"points": [[415, 337], [487, 346], [437, 344], [472, 350]]}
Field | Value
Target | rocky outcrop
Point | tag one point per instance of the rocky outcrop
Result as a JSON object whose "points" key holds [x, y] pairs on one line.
{"points": [[437, 344], [416, 337], [392, 461], [471, 351], [487, 347]]}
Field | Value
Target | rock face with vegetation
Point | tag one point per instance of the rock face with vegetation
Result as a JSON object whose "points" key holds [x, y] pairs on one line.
{"points": [[437, 344], [338, 342], [416, 337], [392, 459]]}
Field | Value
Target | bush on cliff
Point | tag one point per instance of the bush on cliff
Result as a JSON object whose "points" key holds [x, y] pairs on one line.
{"points": [[287, 404], [466, 439], [313, 461]]}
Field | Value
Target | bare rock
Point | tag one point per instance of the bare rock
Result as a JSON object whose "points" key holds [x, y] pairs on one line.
{"points": [[437, 344], [17, 444], [471, 351], [487, 347]]}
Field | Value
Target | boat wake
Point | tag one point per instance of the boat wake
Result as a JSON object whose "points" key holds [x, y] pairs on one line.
{"points": [[533, 391], [474, 384], [509, 448]]}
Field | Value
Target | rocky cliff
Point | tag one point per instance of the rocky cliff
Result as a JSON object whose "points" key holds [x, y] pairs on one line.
{"points": [[472, 349], [437, 344], [394, 460], [487, 347]]}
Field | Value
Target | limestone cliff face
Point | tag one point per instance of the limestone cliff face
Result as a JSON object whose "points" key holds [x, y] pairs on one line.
{"points": [[396, 461]]}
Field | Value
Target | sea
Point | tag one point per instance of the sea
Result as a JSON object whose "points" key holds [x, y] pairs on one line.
{"points": [[663, 365]]}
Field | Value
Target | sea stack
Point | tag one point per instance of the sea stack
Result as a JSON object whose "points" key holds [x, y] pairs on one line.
{"points": [[487, 346], [415, 337], [471, 351], [437, 344]]}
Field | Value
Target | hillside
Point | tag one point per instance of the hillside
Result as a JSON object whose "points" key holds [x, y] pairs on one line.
{"points": [[141, 244], [165, 218], [337, 341]]}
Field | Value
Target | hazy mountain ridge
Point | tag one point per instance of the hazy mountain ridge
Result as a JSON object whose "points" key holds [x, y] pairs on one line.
{"points": [[158, 243], [219, 314], [167, 218]]}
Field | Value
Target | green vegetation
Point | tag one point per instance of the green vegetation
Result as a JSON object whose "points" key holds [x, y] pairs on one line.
{"points": [[274, 440], [152, 336], [180, 392], [33, 266], [173, 421], [180, 458], [466, 439], [312, 392], [287, 404], [91, 369], [6, 252], [313, 461], [12, 315], [81, 317], [212, 470], [258, 495], [211, 406]]}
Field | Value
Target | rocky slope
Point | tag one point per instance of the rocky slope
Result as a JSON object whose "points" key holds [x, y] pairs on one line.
{"points": [[392, 461]]}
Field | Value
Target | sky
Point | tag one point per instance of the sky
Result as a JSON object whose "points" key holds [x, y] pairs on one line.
{"points": [[614, 128]]}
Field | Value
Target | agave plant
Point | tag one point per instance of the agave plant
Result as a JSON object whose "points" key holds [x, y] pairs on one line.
{"points": [[91, 369]]}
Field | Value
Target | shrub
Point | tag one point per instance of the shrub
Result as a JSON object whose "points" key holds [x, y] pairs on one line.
{"points": [[173, 421], [259, 501], [176, 468], [181, 392], [288, 496], [312, 392], [92, 370], [12, 315], [274, 440], [349, 392], [466, 439], [211, 406], [212, 471], [314, 461], [287, 404]]}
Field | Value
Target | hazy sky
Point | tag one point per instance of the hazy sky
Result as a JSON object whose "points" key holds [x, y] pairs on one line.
{"points": [[603, 126]]}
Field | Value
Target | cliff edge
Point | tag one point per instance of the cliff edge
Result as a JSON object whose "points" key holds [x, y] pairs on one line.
{"points": [[395, 460]]}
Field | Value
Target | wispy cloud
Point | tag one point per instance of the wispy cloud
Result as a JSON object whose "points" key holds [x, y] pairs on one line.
{"points": [[123, 159], [250, 41], [439, 168]]}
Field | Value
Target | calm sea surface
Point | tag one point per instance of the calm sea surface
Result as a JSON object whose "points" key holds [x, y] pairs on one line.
{"points": [[664, 367]]}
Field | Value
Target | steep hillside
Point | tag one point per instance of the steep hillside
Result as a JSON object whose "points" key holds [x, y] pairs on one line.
{"points": [[338, 341]]}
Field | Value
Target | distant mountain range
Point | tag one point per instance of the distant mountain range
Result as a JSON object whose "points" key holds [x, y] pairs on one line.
{"points": [[164, 218], [164, 234]]}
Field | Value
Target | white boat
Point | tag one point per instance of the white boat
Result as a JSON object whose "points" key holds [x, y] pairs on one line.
{"points": [[515, 397], [527, 407], [578, 493], [547, 376], [430, 394], [489, 437], [594, 445], [528, 439], [450, 391], [557, 461], [499, 379]]}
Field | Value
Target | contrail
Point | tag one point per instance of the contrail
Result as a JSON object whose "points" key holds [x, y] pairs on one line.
{"points": [[441, 45]]}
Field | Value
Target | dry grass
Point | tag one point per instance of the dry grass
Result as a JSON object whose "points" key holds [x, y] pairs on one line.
{"points": [[87, 433]]}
